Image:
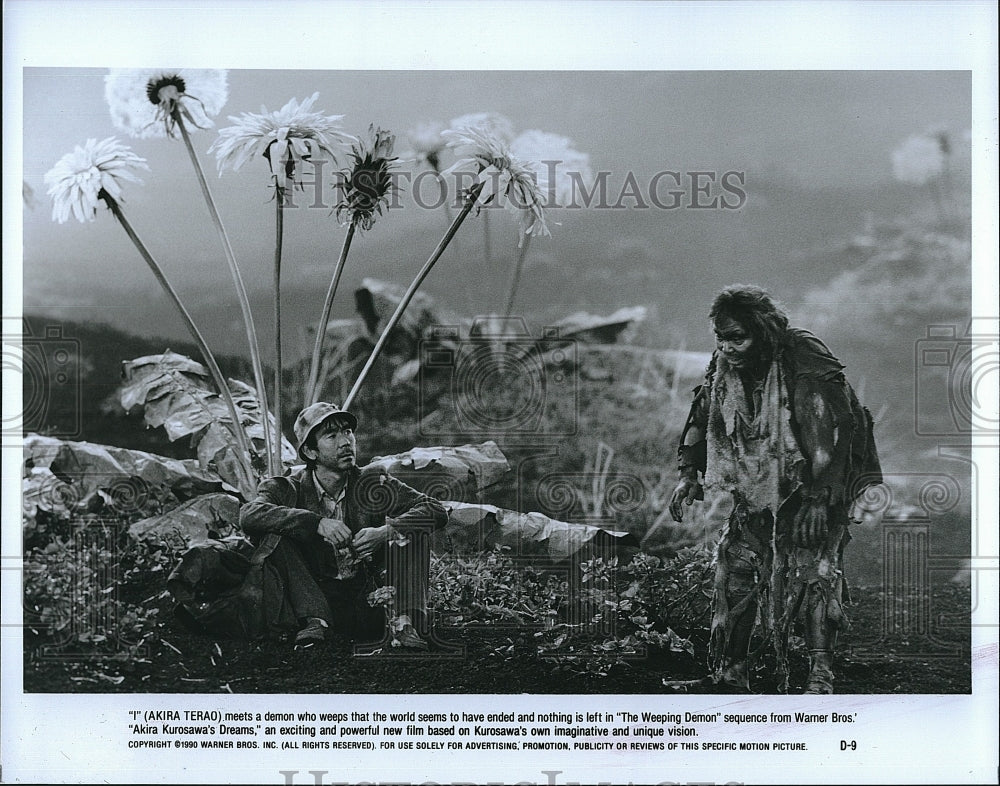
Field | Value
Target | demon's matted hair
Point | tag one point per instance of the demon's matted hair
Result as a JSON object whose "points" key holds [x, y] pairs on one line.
{"points": [[754, 309]]}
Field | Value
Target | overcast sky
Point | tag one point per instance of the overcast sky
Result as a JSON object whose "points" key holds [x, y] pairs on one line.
{"points": [[804, 130]]}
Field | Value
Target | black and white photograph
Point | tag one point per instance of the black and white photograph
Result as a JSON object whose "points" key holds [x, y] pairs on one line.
{"points": [[428, 405]]}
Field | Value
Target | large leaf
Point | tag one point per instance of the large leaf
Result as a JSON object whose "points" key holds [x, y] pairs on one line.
{"points": [[442, 471], [62, 474], [175, 393], [481, 527], [197, 520]]}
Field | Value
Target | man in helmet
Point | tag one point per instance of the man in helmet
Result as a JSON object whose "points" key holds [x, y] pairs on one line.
{"points": [[331, 533], [777, 425]]}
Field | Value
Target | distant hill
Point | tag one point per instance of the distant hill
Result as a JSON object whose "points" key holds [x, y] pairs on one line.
{"points": [[71, 372]]}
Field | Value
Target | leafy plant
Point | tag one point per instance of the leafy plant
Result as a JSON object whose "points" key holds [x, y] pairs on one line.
{"points": [[76, 589], [492, 589], [591, 622], [615, 624], [174, 393]]}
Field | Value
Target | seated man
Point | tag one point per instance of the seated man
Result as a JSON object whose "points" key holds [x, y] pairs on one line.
{"points": [[332, 532]]}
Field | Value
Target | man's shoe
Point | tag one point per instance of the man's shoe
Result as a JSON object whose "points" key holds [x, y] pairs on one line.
{"points": [[313, 633], [405, 635]]}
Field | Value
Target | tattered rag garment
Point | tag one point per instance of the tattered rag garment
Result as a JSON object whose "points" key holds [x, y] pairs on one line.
{"points": [[753, 453]]}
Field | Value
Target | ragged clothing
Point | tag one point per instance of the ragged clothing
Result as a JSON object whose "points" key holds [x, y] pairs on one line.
{"points": [[777, 443]]}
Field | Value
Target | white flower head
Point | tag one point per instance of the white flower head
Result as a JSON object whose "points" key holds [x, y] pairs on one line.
{"points": [[427, 143], [920, 158], [501, 174], [496, 124], [90, 173], [554, 160], [143, 100], [286, 137]]}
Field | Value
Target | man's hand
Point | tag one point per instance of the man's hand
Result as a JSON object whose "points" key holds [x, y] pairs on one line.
{"points": [[367, 540], [810, 528], [686, 491], [335, 531]]}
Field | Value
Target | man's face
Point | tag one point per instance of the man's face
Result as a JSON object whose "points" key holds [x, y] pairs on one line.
{"points": [[336, 447], [735, 343]]}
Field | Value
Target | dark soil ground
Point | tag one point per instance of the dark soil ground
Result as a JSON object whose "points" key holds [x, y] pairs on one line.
{"points": [[931, 657]]}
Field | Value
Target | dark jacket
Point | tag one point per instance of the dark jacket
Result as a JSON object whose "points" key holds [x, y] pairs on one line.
{"points": [[227, 592], [288, 505]]}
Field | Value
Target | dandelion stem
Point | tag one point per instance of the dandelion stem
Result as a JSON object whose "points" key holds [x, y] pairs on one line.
{"points": [[487, 248], [241, 294], [213, 367], [314, 364], [470, 201], [444, 191], [279, 228], [522, 252]]}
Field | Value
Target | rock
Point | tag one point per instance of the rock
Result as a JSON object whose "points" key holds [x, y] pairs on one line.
{"points": [[593, 329]]}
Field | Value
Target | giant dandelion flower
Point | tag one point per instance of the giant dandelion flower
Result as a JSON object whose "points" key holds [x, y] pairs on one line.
{"points": [[89, 174], [920, 158], [499, 174], [93, 173], [286, 137], [143, 101], [500, 127], [427, 143], [365, 189], [496, 124], [496, 174], [368, 183], [160, 102], [555, 162]]}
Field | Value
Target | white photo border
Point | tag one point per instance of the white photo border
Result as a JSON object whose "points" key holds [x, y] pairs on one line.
{"points": [[69, 738]]}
